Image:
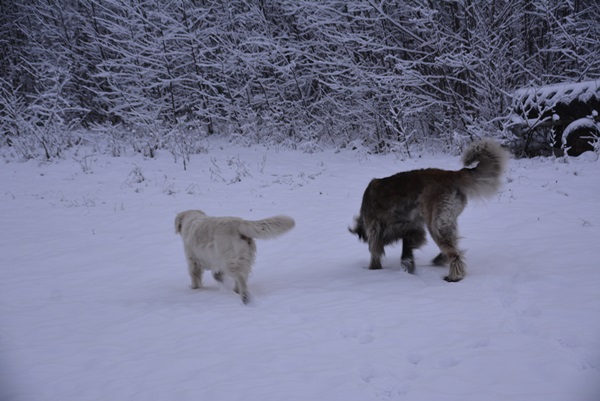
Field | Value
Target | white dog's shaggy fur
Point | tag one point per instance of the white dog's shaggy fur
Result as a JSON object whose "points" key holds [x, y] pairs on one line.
{"points": [[225, 245]]}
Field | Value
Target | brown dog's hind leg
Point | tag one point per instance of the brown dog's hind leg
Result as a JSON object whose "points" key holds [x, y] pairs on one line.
{"points": [[443, 230], [376, 254], [457, 268], [446, 241]]}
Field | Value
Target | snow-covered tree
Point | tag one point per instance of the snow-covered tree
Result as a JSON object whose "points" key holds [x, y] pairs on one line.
{"points": [[390, 74]]}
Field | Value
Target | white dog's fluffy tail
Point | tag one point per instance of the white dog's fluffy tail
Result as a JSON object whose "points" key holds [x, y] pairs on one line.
{"points": [[484, 179], [267, 228]]}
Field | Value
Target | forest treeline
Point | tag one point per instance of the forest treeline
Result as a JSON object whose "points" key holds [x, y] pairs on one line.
{"points": [[383, 74]]}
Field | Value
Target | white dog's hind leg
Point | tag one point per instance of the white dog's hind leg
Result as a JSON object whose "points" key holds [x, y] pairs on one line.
{"points": [[239, 269], [195, 271]]}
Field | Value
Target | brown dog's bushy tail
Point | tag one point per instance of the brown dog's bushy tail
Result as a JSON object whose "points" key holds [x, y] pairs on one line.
{"points": [[484, 179], [359, 228], [266, 228]]}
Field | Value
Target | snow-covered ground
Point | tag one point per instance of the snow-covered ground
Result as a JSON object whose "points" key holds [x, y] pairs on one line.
{"points": [[95, 301]]}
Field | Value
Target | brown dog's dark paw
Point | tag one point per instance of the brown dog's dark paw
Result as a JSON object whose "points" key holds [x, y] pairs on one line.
{"points": [[453, 279], [408, 265]]}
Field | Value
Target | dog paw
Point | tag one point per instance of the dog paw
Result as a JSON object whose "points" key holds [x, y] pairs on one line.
{"points": [[453, 279], [246, 299], [218, 276], [408, 265]]}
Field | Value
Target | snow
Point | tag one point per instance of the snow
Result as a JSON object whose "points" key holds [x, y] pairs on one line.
{"points": [[95, 301], [579, 124], [531, 97]]}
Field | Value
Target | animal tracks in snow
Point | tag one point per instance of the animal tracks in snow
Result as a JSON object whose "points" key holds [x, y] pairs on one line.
{"points": [[364, 336], [388, 382]]}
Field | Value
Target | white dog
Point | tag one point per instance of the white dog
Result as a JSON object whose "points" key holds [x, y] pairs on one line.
{"points": [[225, 245]]}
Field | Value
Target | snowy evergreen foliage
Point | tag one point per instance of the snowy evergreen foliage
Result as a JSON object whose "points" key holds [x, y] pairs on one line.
{"points": [[381, 74]]}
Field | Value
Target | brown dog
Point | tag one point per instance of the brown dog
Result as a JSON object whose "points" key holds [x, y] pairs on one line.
{"points": [[399, 207]]}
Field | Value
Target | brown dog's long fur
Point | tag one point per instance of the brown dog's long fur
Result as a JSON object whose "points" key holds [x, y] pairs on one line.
{"points": [[401, 206]]}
